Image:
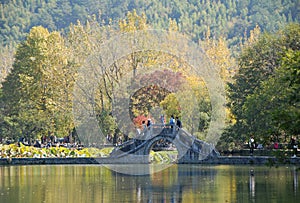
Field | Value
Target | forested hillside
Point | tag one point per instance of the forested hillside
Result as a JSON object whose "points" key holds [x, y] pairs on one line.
{"points": [[231, 19]]}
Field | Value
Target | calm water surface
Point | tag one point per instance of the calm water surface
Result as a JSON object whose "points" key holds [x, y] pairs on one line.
{"points": [[178, 183]]}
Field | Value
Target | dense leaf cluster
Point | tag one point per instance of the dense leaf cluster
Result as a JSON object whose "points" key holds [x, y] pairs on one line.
{"points": [[264, 94]]}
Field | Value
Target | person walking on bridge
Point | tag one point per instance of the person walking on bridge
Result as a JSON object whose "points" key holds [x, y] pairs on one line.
{"points": [[172, 121], [149, 123], [178, 123]]}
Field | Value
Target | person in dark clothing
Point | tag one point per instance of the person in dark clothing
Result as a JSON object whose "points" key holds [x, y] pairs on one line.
{"points": [[294, 146], [37, 144], [178, 122], [149, 123], [251, 145]]}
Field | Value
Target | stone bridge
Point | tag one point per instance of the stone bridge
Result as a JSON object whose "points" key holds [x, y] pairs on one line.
{"points": [[137, 150]]}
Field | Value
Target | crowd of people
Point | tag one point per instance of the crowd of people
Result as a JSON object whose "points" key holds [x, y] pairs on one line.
{"points": [[293, 145], [172, 122], [48, 141]]}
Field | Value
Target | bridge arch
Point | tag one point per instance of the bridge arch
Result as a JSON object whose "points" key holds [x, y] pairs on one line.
{"points": [[156, 139]]}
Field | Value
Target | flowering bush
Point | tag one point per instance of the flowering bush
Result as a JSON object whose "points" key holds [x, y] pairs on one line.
{"points": [[14, 151]]}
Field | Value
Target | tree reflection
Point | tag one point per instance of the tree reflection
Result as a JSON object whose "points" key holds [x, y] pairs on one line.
{"points": [[178, 183]]}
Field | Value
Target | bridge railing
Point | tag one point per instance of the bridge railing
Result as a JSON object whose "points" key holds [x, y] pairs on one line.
{"points": [[203, 148], [185, 137], [156, 129]]}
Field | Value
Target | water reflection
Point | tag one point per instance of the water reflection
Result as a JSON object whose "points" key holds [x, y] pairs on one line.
{"points": [[252, 184], [167, 185], [295, 179], [178, 183]]}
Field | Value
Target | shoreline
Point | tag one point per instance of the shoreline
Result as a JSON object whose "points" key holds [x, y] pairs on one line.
{"points": [[221, 160]]}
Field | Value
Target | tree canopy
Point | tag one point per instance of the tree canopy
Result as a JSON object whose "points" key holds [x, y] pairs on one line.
{"points": [[262, 95], [37, 93], [230, 18]]}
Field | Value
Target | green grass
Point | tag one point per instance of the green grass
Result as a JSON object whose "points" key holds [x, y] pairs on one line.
{"points": [[165, 157]]}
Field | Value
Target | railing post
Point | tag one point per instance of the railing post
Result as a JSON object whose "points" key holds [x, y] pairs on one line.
{"points": [[174, 129]]}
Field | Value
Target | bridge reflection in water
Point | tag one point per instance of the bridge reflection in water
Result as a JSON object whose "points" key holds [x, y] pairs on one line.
{"points": [[137, 150]]}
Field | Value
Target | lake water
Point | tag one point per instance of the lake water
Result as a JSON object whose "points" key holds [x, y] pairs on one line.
{"points": [[178, 183]]}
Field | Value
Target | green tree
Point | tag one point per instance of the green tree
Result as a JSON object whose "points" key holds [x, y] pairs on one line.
{"points": [[275, 107], [37, 94], [257, 63], [287, 114]]}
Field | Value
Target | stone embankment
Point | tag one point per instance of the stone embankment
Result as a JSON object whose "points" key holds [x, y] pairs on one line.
{"points": [[221, 160]]}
